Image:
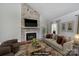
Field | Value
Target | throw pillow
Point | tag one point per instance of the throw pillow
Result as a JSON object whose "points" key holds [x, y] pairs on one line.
{"points": [[59, 39], [63, 41]]}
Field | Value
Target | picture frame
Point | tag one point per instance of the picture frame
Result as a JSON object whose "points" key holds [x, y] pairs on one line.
{"points": [[63, 28], [70, 26]]}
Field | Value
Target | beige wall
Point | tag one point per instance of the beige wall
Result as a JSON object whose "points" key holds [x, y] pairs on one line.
{"points": [[10, 21]]}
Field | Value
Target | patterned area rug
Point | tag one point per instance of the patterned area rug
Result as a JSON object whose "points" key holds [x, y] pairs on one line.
{"points": [[47, 51]]}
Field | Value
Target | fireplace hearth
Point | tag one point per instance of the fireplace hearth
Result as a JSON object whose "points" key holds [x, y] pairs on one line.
{"points": [[30, 36]]}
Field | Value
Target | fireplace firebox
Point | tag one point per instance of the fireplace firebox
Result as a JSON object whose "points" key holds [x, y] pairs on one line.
{"points": [[30, 36]]}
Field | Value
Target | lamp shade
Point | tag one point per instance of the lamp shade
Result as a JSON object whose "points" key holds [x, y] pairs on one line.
{"points": [[77, 36], [76, 41]]}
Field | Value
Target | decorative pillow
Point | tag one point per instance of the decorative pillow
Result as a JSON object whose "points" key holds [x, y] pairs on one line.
{"points": [[59, 39], [63, 41]]}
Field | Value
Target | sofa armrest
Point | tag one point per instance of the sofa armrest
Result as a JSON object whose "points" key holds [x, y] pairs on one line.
{"points": [[68, 46], [4, 50]]}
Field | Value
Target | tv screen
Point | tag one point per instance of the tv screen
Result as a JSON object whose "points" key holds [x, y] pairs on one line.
{"points": [[30, 23]]}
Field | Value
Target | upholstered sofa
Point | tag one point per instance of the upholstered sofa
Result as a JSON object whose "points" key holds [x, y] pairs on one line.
{"points": [[63, 49], [9, 47]]}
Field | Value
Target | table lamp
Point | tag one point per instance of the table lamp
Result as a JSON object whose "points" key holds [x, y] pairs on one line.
{"points": [[76, 41]]}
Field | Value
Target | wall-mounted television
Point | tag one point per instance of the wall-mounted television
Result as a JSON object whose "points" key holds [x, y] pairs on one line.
{"points": [[30, 23]]}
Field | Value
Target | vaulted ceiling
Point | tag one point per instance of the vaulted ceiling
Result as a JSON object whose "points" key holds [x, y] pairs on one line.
{"points": [[53, 10]]}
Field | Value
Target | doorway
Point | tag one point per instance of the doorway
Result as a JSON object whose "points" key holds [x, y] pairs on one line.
{"points": [[54, 28]]}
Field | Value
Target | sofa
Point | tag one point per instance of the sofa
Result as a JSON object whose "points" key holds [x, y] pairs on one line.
{"points": [[6, 51], [9, 47], [64, 48]]}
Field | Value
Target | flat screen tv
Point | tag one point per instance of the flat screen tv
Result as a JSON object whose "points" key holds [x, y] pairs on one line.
{"points": [[30, 23]]}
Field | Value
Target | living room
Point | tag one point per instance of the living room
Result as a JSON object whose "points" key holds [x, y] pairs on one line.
{"points": [[26, 24]]}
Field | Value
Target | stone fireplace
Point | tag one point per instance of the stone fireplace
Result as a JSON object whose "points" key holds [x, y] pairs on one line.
{"points": [[30, 23]]}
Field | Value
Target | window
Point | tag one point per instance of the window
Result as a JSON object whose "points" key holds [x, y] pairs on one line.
{"points": [[54, 28]]}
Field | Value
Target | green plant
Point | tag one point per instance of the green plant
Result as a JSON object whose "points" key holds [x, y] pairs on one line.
{"points": [[34, 42]]}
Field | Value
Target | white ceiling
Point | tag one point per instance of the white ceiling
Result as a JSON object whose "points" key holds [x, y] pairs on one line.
{"points": [[54, 10]]}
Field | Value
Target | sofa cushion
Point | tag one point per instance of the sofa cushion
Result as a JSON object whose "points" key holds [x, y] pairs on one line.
{"points": [[15, 47], [54, 43], [57, 45], [54, 36], [5, 50], [68, 46]]}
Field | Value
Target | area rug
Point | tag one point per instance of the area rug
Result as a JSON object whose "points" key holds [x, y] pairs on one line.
{"points": [[47, 51]]}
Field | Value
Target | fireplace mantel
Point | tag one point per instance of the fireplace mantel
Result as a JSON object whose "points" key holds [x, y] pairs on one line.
{"points": [[30, 27]]}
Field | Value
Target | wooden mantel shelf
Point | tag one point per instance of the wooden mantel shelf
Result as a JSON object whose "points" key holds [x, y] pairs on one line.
{"points": [[30, 27]]}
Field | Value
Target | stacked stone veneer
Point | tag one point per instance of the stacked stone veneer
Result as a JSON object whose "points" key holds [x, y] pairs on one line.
{"points": [[29, 13]]}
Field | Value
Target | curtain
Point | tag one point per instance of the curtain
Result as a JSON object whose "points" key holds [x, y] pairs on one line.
{"points": [[78, 26]]}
